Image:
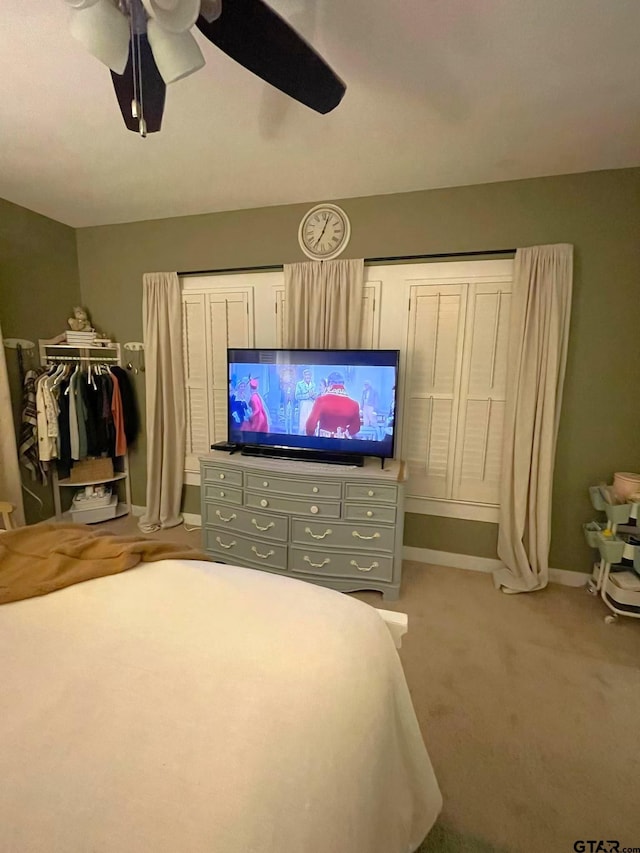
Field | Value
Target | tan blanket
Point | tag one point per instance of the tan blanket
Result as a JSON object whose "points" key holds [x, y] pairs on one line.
{"points": [[45, 557]]}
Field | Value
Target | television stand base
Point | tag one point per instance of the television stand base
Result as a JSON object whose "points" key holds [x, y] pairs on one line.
{"points": [[302, 455]]}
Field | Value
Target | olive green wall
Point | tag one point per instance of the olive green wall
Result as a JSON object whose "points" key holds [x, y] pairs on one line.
{"points": [[39, 285], [599, 213]]}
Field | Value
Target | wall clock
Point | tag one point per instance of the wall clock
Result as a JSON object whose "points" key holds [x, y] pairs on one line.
{"points": [[324, 232]]}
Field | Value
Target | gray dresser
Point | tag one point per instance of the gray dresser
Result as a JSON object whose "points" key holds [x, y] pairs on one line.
{"points": [[330, 524]]}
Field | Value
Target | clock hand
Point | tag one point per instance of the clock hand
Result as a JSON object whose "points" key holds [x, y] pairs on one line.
{"points": [[326, 222]]}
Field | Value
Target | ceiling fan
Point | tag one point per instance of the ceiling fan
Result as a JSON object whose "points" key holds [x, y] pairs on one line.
{"points": [[147, 44]]}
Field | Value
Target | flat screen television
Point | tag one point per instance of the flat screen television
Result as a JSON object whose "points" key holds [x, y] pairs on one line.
{"points": [[322, 404]]}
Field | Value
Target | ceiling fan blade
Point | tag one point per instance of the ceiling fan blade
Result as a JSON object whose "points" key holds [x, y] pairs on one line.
{"points": [[153, 90], [254, 35]]}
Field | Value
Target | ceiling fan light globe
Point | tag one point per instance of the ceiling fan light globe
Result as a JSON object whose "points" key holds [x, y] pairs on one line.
{"points": [[176, 54], [104, 32], [210, 10], [175, 16]]}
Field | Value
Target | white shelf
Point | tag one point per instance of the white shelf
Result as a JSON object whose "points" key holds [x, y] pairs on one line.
{"points": [[118, 475]]}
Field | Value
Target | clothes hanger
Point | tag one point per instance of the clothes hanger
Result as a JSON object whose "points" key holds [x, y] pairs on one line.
{"points": [[58, 374], [73, 373]]}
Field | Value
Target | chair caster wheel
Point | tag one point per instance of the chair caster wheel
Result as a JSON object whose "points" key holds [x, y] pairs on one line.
{"points": [[591, 589], [610, 619]]}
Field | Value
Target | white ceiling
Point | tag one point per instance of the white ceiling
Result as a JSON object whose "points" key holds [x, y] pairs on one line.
{"points": [[439, 93]]}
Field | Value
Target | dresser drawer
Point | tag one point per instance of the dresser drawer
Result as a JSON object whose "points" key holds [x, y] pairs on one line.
{"points": [[374, 493], [367, 512], [294, 486], [247, 521], [223, 493], [346, 536], [211, 474], [294, 506], [317, 562], [236, 549]]}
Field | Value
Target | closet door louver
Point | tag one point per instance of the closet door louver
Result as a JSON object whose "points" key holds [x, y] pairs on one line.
{"points": [[480, 423], [434, 352], [195, 368]]}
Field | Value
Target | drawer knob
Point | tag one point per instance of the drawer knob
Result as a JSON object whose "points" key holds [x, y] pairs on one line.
{"points": [[313, 535], [357, 535], [222, 545], [364, 568], [225, 518], [315, 490], [221, 494], [262, 556], [264, 502], [371, 493], [221, 476], [265, 483], [257, 526], [369, 514], [316, 565], [314, 509]]}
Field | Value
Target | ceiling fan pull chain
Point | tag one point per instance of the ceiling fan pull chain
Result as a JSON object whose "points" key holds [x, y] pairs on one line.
{"points": [[135, 107], [138, 25]]}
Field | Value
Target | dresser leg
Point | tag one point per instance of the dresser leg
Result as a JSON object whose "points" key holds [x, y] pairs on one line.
{"points": [[392, 594]]}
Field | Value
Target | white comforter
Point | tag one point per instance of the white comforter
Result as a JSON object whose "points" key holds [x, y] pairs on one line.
{"points": [[190, 707]]}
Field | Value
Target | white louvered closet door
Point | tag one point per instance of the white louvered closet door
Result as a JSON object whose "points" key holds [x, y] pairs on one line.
{"points": [[480, 420], [211, 322], [434, 356], [194, 351], [229, 320]]}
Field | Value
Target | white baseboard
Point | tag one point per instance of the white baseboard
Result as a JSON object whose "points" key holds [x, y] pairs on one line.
{"points": [[452, 561], [567, 578], [485, 564]]}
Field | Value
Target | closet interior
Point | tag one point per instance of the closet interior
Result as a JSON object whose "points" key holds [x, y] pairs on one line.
{"points": [[85, 420]]}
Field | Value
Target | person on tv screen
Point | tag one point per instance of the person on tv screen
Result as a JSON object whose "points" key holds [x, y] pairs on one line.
{"points": [[238, 406], [334, 414], [258, 418], [369, 404], [306, 393]]}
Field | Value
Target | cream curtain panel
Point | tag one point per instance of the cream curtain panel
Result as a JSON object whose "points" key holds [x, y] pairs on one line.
{"points": [[165, 403], [323, 304], [10, 483], [540, 314]]}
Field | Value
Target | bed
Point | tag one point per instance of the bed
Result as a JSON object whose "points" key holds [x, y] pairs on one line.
{"points": [[190, 706]]}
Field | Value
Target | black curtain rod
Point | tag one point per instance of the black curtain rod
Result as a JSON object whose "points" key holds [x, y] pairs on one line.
{"points": [[389, 259]]}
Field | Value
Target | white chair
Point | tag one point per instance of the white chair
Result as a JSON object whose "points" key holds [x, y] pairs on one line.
{"points": [[5, 512]]}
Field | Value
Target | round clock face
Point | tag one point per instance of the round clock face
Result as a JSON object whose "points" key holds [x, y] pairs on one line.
{"points": [[324, 232]]}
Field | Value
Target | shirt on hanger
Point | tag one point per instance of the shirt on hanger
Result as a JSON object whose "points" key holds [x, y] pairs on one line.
{"points": [[118, 419], [74, 434]]}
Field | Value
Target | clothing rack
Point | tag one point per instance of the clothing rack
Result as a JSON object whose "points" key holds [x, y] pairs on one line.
{"points": [[82, 358], [54, 351]]}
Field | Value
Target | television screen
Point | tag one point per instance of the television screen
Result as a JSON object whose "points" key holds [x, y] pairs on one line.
{"points": [[331, 400]]}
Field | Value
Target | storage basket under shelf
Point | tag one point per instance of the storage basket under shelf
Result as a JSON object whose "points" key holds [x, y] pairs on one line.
{"points": [[85, 470], [93, 515]]}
